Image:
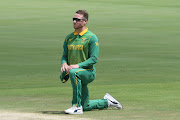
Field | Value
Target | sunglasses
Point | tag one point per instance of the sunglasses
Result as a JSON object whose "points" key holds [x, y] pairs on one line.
{"points": [[77, 19]]}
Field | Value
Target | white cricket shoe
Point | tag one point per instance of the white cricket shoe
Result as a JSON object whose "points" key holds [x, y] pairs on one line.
{"points": [[112, 102], [74, 110]]}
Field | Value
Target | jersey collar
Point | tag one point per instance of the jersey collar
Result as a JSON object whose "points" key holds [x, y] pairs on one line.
{"points": [[81, 33]]}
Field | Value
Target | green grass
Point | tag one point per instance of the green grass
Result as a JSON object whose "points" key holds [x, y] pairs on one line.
{"points": [[138, 61]]}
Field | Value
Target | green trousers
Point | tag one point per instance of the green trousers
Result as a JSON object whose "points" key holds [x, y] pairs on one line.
{"points": [[80, 78]]}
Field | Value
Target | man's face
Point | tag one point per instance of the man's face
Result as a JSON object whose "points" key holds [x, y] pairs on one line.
{"points": [[79, 21]]}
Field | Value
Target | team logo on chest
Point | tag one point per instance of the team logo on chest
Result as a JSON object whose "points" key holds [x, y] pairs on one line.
{"points": [[83, 39]]}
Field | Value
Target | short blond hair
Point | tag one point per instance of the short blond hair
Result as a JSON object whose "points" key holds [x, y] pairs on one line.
{"points": [[84, 13]]}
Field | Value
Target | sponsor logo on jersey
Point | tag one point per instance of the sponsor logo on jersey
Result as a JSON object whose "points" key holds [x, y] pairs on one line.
{"points": [[75, 47]]}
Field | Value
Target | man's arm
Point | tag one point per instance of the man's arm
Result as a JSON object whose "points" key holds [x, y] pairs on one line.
{"points": [[64, 59], [93, 53]]}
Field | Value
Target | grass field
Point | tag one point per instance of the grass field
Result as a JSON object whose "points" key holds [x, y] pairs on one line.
{"points": [[139, 61]]}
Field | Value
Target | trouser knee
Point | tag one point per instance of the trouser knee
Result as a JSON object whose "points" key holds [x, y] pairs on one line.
{"points": [[85, 108], [72, 72], [73, 75]]}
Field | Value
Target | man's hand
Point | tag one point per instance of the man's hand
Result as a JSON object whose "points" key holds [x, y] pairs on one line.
{"points": [[64, 67], [71, 67]]}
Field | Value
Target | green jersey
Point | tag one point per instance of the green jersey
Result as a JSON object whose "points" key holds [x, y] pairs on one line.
{"points": [[81, 49]]}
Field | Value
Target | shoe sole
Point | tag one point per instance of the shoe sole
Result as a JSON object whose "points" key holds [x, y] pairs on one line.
{"points": [[73, 113]]}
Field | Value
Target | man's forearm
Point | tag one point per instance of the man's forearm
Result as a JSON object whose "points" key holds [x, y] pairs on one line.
{"points": [[89, 62]]}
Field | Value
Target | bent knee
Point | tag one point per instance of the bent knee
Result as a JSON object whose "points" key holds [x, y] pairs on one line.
{"points": [[86, 108], [73, 72]]}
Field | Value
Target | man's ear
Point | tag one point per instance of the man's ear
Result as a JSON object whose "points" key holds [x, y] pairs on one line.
{"points": [[85, 22]]}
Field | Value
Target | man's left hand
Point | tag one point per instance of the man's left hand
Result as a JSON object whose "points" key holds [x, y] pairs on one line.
{"points": [[72, 67]]}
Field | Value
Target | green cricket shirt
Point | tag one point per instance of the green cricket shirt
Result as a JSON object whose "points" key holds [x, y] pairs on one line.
{"points": [[81, 49]]}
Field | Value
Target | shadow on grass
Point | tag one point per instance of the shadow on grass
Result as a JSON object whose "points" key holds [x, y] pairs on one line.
{"points": [[62, 112], [52, 112]]}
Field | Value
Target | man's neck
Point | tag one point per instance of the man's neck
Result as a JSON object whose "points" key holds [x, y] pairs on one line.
{"points": [[80, 30]]}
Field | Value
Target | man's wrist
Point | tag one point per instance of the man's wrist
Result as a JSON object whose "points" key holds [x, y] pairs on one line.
{"points": [[79, 65], [64, 63]]}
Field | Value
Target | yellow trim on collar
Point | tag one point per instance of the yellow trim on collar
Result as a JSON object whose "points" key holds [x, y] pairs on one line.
{"points": [[81, 33]]}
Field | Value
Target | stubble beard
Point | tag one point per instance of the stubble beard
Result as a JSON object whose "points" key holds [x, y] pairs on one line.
{"points": [[77, 27]]}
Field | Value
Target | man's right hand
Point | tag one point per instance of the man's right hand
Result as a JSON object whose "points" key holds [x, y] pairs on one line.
{"points": [[64, 67]]}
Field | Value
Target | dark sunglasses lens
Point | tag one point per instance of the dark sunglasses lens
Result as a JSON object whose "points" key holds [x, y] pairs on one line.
{"points": [[76, 19]]}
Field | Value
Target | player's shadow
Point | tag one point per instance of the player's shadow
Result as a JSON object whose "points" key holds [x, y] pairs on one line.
{"points": [[52, 112]]}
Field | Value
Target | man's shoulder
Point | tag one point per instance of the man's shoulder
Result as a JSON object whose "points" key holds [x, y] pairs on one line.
{"points": [[92, 37], [90, 34], [69, 35]]}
